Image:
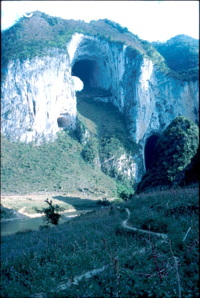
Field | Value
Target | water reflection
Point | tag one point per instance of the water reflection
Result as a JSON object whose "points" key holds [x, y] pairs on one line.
{"points": [[19, 225]]}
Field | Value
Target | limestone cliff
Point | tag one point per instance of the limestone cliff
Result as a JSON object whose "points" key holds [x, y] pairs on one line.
{"points": [[39, 99]]}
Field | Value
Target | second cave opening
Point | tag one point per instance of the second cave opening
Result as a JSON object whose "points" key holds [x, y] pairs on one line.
{"points": [[149, 151]]}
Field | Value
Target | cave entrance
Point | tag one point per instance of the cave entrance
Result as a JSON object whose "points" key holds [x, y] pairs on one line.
{"points": [[84, 69], [149, 151]]}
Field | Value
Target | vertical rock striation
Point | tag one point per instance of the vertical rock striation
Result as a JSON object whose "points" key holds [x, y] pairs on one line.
{"points": [[155, 99], [38, 98], [38, 95]]}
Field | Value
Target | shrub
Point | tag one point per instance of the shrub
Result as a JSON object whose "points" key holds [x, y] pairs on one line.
{"points": [[51, 213]]}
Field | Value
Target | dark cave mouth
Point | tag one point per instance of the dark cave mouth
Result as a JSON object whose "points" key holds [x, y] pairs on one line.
{"points": [[85, 71], [149, 151]]}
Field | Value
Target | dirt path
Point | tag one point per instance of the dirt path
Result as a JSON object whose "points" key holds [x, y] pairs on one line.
{"points": [[127, 227], [91, 273]]}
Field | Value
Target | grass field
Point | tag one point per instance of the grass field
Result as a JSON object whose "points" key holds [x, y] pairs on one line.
{"points": [[45, 263]]}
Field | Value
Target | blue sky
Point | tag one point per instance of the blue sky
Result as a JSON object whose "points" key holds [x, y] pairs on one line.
{"points": [[150, 20]]}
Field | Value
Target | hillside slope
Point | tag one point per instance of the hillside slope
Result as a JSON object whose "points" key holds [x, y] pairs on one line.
{"points": [[181, 54], [73, 162]]}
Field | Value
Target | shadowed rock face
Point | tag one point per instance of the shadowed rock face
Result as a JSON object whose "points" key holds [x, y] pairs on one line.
{"points": [[85, 70]]}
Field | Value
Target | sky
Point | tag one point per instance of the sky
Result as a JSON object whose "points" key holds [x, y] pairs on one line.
{"points": [[150, 20]]}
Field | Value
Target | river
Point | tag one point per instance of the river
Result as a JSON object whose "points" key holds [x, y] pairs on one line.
{"points": [[19, 225]]}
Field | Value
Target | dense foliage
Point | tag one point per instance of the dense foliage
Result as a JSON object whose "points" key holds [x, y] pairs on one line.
{"points": [[174, 151], [190, 175], [181, 54]]}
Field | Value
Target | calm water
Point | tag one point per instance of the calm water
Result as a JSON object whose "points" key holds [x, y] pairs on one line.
{"points": [[18, 225]]}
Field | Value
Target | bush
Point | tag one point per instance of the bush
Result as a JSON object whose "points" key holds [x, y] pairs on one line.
{"points": [[51, 213]]}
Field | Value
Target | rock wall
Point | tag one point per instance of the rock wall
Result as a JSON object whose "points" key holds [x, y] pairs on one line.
{"points": [[38, 98], [149, 99], [38, 95], [156, 99]]}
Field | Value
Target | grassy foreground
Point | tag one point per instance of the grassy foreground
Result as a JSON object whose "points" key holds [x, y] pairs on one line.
{"points": [[45, 263]]}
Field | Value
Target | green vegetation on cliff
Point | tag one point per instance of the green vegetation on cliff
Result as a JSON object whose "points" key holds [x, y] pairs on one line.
{"points": [[181, 54], [75, 161], [109, 139], [31, 37], [174, 151], [52, 167], [35, 36]]}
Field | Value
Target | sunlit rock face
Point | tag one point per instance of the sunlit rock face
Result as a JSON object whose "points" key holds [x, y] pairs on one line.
{"points": [[38, 95], [38, 98], [149, 99], [78, 84], [154, 100]]}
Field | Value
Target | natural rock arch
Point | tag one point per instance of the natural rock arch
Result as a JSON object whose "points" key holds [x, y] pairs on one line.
{"points": [[85, 70], [149, 150], [91, 61]]}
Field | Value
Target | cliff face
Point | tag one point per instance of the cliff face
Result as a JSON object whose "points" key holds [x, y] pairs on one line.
{"points": [[38, 95], [155, 99], [39, 99]]}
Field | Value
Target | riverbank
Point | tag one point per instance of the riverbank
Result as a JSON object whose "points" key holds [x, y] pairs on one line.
{"points": [[15, 207], [25, 224]]}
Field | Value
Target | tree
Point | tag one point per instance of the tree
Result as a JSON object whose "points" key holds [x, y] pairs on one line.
{"points": [[51, 213]]}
